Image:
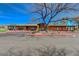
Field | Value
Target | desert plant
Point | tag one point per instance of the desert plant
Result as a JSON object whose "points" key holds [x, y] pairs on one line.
{"points": [[76, 53], [51, 51], [14, 52], [42, 51]]}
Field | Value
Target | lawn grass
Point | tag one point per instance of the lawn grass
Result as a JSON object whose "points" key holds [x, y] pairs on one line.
{"points": [[3, 30]]}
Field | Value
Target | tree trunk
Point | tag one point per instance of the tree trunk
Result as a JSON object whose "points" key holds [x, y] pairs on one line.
{"points": [[46, 28]]}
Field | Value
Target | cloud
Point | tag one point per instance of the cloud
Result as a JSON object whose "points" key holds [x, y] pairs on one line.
{"points": [[17, 8]]}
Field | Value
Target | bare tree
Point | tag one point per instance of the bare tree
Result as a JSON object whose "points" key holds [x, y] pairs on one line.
{"points": [[48, 11]]}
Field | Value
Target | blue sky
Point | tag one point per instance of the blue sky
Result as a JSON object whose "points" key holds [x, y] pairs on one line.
{"points": [[14, 14], [19, 14]]}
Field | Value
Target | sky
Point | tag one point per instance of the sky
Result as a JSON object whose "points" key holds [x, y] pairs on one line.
{"points": [[14, 14], [18, 13]]}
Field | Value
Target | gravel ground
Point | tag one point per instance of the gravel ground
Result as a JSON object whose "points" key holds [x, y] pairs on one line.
{"points": [[20, 41]]}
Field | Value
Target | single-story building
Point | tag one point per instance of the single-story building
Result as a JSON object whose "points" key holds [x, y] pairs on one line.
{"points": [[37, 27], [52, 27], [61, 28], [26, 27]]}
